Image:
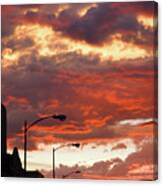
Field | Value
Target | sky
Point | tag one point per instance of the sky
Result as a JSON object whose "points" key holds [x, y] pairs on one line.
{"points": [[97, 64]]}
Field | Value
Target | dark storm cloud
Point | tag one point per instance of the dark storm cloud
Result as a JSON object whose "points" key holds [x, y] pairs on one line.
{"points": [[99, 24], [103, 21], [95, 26]]}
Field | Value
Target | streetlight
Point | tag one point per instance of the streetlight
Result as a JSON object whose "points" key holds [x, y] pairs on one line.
{"points": [[69, 174], [60, 117], [77, 145]]}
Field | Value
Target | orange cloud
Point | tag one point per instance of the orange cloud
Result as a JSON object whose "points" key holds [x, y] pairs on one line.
{"points": [[119, 146], [97, 122], [16, 100], [139, 165], [55, 60]]}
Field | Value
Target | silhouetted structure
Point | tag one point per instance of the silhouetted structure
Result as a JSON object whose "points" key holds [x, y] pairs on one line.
{"points": [[3, 138], [11, 165]]}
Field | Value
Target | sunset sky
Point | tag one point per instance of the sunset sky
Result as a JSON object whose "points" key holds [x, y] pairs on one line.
{"points": [[97, 64]]}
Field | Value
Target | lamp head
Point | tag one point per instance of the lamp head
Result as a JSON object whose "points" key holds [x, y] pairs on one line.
{"points": [[78, 172], [77, 145], [60, 117]]}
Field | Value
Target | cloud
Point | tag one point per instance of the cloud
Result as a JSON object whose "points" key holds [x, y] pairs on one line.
{"points": [[94, 100], [140, 165], [119, 146], [136, 121], [108, 18], [54, 63], [97, 26], [7, 17], [96, 134], [143, 8], [18, 44]]}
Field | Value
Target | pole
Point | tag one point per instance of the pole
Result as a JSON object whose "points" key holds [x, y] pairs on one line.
{"points": [[25, 145], [53, 162]]}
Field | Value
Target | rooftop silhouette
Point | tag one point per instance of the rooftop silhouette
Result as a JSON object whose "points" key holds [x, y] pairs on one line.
{"points": [[11, 165]]}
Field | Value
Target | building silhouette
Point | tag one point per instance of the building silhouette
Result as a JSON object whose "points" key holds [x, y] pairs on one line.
{"points": [[3, 139], [11, 165]]}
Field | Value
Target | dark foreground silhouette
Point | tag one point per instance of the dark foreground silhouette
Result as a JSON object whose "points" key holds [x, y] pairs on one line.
{"points": [[11, 165]]}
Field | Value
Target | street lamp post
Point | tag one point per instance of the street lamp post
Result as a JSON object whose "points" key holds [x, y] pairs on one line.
{"points": [[60, 117], [53, 162], [77, 145]]}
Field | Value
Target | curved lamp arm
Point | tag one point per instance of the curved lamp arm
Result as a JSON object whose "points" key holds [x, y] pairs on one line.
{"points": [[77, 145], [60, 117]]}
